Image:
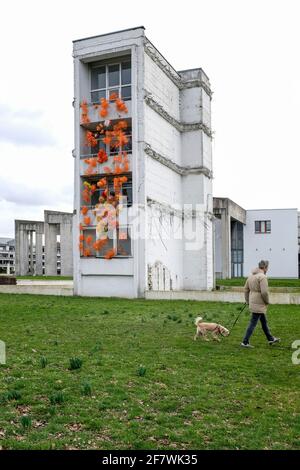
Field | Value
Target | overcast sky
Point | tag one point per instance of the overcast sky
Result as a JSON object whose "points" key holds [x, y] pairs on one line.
{"points": [[249, 50]]}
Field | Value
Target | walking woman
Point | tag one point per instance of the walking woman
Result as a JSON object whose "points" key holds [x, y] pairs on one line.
{"points": [[257, 297]]}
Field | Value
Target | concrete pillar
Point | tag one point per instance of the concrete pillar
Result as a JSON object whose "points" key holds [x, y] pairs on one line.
{"points": [[17, 249], [66, 252], [226, 245], [24, 250], [39, 254], [51, 249], [31, 252]]}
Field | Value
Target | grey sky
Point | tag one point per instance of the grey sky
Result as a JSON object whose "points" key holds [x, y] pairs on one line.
{"points": [[249, 49]]}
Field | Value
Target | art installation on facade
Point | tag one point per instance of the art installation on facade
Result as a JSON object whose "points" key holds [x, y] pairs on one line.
{"points": [[103, 198]]}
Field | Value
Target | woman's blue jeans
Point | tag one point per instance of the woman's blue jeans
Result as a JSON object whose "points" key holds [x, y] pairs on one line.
{"points": [[253, 322]]}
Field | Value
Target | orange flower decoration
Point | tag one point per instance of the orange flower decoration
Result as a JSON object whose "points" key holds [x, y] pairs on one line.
{"points": [[84, 210], [103, 113], [110, 254], [89, 240], [99, 244], [113, 96], [102, 156], [87, 220], [84, 112], [121, 106], [102, 183], [90, 139], [86, 195]]}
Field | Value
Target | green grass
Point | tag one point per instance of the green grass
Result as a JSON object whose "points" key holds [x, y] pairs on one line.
{"points": [[273, 282], [143, 383], [46, 278]]}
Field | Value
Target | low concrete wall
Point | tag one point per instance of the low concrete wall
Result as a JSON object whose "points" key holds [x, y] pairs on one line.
{"points": [[38, 289], [65, 288], [220, 296]]}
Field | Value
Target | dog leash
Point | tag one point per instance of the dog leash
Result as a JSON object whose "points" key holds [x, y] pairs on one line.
{"points": [[240, 312]]}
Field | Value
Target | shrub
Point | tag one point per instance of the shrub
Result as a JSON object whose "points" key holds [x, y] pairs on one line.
{"points": [[25, 422], [75, 363], [13, 395], [43, 362], [86, 389], [141, 371], [57, 398]]}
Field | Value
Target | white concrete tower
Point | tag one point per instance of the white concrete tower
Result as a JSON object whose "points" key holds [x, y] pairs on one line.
{"points": [[167, 187]]}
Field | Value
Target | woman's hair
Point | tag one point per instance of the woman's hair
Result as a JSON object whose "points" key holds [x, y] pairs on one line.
{"points": [[263, 264]]}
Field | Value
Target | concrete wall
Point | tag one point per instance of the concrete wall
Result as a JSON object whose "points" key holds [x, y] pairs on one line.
{"points": [[280, 246]]}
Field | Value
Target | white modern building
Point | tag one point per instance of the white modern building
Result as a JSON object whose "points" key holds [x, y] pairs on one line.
{"points": [[162, 238], [272, 234], [244, 237]]}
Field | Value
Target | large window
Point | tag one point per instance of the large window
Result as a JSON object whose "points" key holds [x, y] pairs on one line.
{"points": [[110, 79], [126, 191], [263, 226], [112, 151], [118, 240]]}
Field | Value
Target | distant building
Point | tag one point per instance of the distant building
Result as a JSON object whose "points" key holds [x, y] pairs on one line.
{"points": [[272, 234], [7, 255], [44, 247], [244, 237]]}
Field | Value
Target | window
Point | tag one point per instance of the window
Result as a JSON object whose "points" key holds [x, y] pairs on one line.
{"points": [[126, 191], [118, 239], [263, 226], [111, 78], [113, 151]]}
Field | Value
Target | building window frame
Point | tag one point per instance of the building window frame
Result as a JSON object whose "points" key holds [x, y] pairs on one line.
{"points": [[262, 226], [108, 89]]}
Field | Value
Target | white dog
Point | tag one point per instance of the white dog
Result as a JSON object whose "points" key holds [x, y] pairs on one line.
{"points": [[215, 329]]}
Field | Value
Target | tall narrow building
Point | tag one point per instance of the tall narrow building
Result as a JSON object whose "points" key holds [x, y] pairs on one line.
{"points": [[143, 170]]}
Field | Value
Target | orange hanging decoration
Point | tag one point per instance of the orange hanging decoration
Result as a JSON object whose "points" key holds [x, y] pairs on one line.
{"points": [[89, 239], [110, 254], [102, 156], [121, 106], [90, 139], [84, 113], [87, 220], [102, 183]]}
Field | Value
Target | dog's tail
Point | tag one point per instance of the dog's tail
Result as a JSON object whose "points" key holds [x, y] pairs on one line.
{"points": [[198, 320]]}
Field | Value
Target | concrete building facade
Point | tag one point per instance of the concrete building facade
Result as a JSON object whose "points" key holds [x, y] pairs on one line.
{"points": [[244, 237], [169, 178], [44, 247], [229, 223]]}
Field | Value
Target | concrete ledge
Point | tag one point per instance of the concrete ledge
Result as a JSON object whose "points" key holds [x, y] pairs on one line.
{"points": [[220, 296], [38, 289]]}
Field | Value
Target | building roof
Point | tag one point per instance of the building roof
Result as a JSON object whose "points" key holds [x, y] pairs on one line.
{"points": [[7, 241], [107, 34]]}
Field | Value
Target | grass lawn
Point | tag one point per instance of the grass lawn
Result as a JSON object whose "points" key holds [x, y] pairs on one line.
{"points": [[144, 383], [46, 278], [273, 282]]}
